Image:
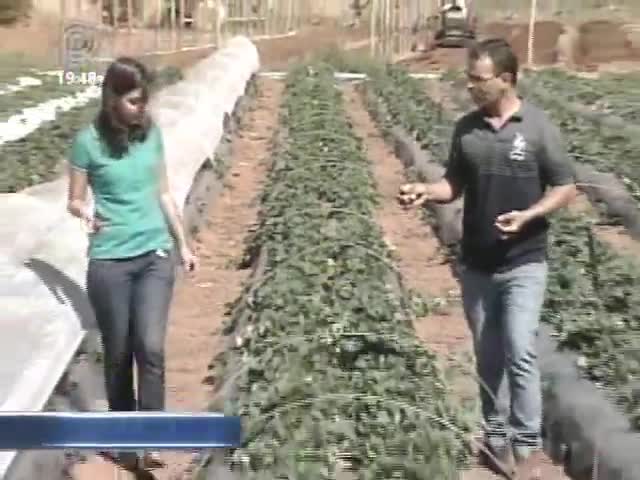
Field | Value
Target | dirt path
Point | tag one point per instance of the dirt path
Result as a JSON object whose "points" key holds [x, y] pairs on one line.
{"points": [[200, 301], [416, 249]]}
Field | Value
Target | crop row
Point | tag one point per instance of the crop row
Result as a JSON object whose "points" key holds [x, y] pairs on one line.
{"points": [[616, 94], [593, 299], [327, 370], [36, 157], [606, 149]]}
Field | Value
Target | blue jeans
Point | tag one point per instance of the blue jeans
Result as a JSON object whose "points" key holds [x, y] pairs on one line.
{"points": [[503, 312], [131, 299]]}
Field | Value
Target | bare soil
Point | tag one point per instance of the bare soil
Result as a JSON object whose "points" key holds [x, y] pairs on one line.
{"points": [[200, 301], [44, 43], [616, 237], [601, 43], [417, 252]]}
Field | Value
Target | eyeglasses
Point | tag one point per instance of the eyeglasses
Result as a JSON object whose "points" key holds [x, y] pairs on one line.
{"points": [[477, 79]]}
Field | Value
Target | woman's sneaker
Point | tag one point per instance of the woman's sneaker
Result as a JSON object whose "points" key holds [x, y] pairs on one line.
{"points": [[152, 460], [126, 460]]}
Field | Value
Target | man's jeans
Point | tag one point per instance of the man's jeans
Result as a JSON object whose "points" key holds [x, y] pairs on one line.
{"points": [[503, 312], [131, 299]]}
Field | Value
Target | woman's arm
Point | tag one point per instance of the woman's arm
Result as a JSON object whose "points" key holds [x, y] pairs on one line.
{"points": [[171, 209], [77, 195], [175, 221], [79, 163], [77, 199]]}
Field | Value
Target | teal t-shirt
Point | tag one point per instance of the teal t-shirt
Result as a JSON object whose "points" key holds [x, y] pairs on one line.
{"points": [[126, 194]]}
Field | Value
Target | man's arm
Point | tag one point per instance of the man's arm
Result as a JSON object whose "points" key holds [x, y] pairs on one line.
{"points": [[557, 172], [448, 188], [554, 199]]}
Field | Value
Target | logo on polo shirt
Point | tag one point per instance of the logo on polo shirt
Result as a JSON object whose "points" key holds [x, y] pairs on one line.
{"points": [[518, 148]]}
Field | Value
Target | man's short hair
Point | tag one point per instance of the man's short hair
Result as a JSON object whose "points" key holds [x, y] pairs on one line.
{"points": [[501, 54]]}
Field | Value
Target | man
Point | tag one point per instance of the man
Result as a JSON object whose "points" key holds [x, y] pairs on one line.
{"points": [[503, 156]]}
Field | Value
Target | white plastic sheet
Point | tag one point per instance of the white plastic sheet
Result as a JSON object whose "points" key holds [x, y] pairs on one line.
{"points": [[43, 261], [191, 112]]}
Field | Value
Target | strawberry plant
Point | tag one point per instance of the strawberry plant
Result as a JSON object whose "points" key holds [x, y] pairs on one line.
{"points": [[407, 105], [606, 149], [328, 373], [594, 305], [611, 93]]}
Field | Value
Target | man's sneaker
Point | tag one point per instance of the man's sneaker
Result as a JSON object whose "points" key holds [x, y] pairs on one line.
{"points": [[496, 455]]}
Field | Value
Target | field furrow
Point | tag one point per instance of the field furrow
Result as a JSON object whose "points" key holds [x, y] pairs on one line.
{"points": [[440, 325], [591, 301], [322, 358]]}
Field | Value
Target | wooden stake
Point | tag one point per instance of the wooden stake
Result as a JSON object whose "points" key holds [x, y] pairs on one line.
{"points": [[219, 8], [372, 26], [289, 15], [114, 13], [387, 26], [63, 18], [532, 23], [130, 14]]}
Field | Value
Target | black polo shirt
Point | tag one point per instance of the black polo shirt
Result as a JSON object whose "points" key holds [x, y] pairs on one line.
{"points": [[503, 170]]}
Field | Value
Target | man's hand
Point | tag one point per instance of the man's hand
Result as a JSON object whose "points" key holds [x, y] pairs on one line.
{"points": [[413, 194], [512, 222]]}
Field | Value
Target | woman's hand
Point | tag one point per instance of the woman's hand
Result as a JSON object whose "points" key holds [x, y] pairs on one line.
{"points": [[93, 224], [189, 260]]}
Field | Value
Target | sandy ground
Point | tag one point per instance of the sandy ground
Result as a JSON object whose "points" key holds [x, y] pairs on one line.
{"points": [[601, 45], [200, 301]]}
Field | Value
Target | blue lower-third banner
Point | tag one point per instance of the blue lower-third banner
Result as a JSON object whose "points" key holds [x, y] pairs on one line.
{"points": [[118, 430]]}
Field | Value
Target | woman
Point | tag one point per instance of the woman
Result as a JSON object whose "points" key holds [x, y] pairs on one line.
{"points": [[133, 235]]}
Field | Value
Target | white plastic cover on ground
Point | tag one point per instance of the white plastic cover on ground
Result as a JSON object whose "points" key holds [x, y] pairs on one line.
{"points": [[43, 261], [191, 112]]}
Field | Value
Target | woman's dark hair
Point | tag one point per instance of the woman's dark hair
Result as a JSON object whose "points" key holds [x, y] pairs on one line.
{"points": [[123, 76]]}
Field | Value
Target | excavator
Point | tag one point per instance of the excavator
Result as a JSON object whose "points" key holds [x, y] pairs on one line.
{"points": [[453, 26]]}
